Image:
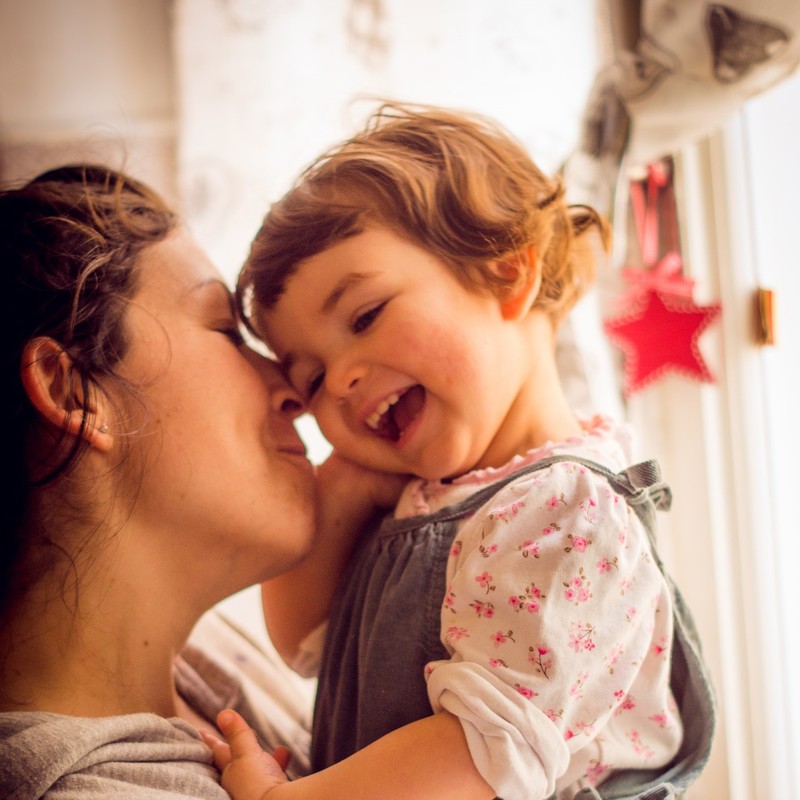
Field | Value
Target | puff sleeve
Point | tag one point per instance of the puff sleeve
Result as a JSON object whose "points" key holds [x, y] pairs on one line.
{"points": [[554, 612]]}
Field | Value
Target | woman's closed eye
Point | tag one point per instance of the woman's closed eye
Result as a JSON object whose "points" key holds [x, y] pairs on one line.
{"points": [[313, 385], [366, 318], [233, 333]]}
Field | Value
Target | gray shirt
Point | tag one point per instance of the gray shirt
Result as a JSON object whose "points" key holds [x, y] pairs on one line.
{"points": [[140, 756]]}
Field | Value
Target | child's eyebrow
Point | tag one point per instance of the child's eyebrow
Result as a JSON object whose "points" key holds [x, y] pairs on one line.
{"points": [[346, 283]]}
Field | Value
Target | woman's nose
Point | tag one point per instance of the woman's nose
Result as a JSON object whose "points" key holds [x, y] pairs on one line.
{"points": [[286, 400], [282, 397]]}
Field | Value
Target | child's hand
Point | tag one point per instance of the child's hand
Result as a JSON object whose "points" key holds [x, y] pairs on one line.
{"points": [[248, 773], [340, 480]]}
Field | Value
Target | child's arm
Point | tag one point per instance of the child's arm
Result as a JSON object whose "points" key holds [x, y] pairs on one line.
{"points": [[349, 497], [425, 760]]}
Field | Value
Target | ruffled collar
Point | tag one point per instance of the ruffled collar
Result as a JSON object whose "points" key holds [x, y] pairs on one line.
{"points": [[425, 496]]}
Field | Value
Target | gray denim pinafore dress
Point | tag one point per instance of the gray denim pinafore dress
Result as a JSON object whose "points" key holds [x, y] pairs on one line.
{"points": [[386, 628]]}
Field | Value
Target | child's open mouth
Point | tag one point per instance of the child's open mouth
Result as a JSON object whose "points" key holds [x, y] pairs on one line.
{"points": [[396, 413]]}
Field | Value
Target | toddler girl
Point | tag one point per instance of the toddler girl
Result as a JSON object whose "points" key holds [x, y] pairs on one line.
{"points": [[412, 283]]}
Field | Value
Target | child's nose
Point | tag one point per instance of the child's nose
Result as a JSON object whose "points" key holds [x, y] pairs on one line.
{"points": [[344, 379]]}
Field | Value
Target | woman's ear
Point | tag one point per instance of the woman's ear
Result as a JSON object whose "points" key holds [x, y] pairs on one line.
{"points": [[46, 373], [524, 281]]}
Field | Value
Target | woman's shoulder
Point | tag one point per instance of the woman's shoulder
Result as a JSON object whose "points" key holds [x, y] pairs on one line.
{"points": [[131, 756]]}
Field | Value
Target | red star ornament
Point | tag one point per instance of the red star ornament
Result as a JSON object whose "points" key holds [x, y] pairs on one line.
{"points": [[660, 336]]}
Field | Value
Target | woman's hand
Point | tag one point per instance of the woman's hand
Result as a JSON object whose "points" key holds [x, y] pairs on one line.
{"points": [[248, 773]]}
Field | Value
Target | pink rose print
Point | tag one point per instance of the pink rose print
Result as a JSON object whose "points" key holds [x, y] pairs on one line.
{"points": [[580, 636], [455, 550], [528, 600], [578, 543], [587, 507], [576, 690], [595, 771], [577, 590], [554, 715], [529, 548], [660, 647], [542, 658], [483, 609], [626, 702], [501, 638], [551, 528], [497, 662], [454, 633], [505, 513], [631, 614], [485, 580], [612, 657], [450, 600], [586, 728], [626, 585], [487, 551], [525, 691], [660, 719], [639, 746], [554, 501], [604, 565]]}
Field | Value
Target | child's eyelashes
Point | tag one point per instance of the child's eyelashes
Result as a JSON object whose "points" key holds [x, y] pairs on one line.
{"points": [[365, 319], [309, 386]]}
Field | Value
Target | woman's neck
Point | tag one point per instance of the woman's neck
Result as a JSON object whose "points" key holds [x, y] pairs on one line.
{"points": [[109, 653]]}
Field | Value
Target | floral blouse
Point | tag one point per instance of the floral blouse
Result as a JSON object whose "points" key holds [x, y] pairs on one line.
{"points": [[558, 623]]}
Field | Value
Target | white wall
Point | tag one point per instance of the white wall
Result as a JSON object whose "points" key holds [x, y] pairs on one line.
{"points": [[87, 79], [265, 86]]}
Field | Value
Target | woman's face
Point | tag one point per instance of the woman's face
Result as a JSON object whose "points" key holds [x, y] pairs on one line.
{"points": [[220, 476]]}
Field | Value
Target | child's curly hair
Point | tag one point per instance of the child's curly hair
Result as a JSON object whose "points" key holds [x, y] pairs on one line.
{"points": [[456, 184]]}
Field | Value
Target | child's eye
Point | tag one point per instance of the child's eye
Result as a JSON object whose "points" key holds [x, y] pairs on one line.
{"points": [[363, 321]]}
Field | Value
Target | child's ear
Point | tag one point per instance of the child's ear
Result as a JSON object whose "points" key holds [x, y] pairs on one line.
{"points": [[47, 377], [524, 278]]}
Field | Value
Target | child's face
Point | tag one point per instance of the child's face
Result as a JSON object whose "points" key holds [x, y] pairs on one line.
{"points": [[404, 369]]}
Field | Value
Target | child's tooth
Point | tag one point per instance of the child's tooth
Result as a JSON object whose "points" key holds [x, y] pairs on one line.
{"points": [[374, 419]]}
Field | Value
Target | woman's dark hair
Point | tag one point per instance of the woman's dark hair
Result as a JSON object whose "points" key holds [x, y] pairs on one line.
{"points": [[69, 244]]}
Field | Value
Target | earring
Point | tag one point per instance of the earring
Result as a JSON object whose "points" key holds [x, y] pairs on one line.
{"points": [[103, 427]]}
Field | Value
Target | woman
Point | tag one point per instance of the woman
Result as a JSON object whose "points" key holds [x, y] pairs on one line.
{"points": [[154, 470]]}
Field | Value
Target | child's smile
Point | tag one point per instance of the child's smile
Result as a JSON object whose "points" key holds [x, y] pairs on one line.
{"points": [[404, 368], [394, 414]]}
